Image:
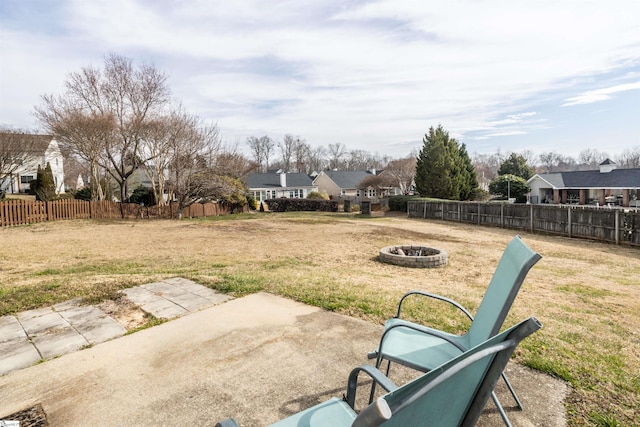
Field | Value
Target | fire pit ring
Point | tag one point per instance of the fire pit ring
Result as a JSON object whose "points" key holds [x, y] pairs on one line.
{"points": [[414, 256]]}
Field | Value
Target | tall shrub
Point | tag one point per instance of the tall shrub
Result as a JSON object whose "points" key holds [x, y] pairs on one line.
{"points": [[44, 186]]}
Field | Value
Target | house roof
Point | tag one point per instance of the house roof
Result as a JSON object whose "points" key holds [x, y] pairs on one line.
{"points": [[347, 179], [267, 180], [36, 144], [617, 178]]}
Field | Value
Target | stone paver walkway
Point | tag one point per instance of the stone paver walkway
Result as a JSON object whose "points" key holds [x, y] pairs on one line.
{"points": [[48, 332]]}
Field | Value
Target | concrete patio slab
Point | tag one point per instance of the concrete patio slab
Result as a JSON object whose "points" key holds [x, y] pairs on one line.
{"points": [[17, 354], [154, 304], [258, 359], [55, 342], [36, 321], [173, 297], [11, 329], [93, 324], [48, 332]]}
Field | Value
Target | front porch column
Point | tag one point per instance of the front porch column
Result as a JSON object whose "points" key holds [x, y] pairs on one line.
{"points": [[625, 198], [602, 200], [556, 196], [583, 197], [563, 194]]}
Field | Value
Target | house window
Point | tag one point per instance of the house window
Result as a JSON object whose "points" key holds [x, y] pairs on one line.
{"points": [[25, 179], [297, 193]]}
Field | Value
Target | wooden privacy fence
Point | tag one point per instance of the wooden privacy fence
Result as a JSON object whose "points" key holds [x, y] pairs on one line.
{"points": [[611, 225], [20, 212]]}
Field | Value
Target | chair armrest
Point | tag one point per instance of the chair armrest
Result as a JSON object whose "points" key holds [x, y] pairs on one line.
{"points": [[229, 422], [434, 296], [377, 376]]}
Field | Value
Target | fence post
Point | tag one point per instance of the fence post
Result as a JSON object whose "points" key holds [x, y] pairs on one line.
{"points": [[424, 210], [569, 225], [479, 213], [459, 211], [502, 215], [531, 216], [617, 222]]}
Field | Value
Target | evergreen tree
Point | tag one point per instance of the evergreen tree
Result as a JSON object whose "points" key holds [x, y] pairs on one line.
{"points": [[510, 186], [444, 169], [516, 165], [44, 186]]}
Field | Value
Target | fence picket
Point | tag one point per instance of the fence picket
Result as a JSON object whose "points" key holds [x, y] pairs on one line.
{"points": [[20, 212], [610, 225]]}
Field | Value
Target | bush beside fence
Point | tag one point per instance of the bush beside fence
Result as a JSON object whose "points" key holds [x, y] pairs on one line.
{"points": [[619, 226], [21, 212]]}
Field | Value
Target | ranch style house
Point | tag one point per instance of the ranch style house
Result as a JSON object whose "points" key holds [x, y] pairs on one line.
{"points": [[606, 186]]}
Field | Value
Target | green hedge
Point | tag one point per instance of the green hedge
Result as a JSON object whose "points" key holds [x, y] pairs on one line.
{"points": [[399, 203], [296, 205]]}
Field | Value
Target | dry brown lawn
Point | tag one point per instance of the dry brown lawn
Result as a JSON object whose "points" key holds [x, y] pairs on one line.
{"points": [[586, 294]]}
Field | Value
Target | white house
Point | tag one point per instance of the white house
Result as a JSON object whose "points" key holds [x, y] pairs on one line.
{"points": [[608, 185], [276, 184], [28, 152]]}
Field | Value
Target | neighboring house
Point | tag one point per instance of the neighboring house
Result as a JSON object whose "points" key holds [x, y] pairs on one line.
{"points": [[608, 185], [276, 184], [37, 150], [348, 185]]}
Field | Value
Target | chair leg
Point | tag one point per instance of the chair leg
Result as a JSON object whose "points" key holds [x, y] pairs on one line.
{"points": [[513, 393], [500, 409]]}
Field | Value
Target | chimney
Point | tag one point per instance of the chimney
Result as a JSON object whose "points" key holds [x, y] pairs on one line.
{"points": [[283, 179]]}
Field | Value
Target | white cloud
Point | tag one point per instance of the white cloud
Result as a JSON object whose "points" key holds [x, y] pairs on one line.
{"points": [[369, 74], [600, 94]]}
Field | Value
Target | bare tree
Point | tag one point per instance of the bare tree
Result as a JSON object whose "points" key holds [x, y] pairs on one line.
{"points": [[116, 105], [336, 152], [261, 149], [550, 161], [591, 157], [287, 148], [162, 143], [302, 154], [230, 162], [317, 159], [362, 160], [529, 156], [85, 132], [380, 183], [256, 150], [16, 151], [630, 158], [267, 146], [193, 152], [403, 172], [486, 166]]}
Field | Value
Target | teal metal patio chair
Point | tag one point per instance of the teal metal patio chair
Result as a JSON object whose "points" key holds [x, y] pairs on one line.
{"points": [[422, 348], [453, 394]]}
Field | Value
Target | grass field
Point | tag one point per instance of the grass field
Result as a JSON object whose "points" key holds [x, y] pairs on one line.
{"points": [[586, 294]]}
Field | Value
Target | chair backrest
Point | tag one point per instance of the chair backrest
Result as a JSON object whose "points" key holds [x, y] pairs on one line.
{"points": [[516, 261], [455, 393]]}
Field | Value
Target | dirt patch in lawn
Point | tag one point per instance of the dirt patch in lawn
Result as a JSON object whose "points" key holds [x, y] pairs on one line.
{"points": [[124, 311]]}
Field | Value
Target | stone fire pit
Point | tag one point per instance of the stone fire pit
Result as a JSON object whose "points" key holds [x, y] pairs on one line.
{"points": [[414, 256]]}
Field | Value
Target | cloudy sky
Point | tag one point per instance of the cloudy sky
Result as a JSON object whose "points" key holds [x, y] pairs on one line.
{"points": [[508, 75]]}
